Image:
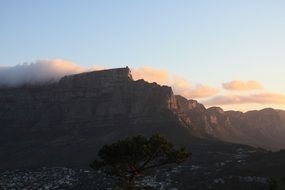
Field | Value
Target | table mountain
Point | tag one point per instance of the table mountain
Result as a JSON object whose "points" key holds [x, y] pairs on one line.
{"points": [[66, 122]]}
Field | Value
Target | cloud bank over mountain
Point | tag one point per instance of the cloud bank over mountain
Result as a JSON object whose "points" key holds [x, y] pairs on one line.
{"points": [[37, 72], [149, 74], [185, 88], [179, 84], [43, 71]]}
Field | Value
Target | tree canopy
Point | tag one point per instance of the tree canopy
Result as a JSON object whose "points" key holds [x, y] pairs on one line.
{"points": [[131, 157]]}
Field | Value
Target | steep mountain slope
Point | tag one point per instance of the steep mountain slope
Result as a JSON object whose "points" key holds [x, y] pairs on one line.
{"points": [[264, 128], [66, 122]]}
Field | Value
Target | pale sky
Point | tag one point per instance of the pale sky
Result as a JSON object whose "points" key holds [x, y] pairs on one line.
{"points": [[209, 44]]}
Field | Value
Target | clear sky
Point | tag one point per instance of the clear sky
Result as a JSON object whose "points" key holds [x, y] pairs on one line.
{"points": [[207, 42]]}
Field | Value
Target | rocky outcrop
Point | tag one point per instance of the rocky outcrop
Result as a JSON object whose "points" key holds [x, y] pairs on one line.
{"points": [[264, 128]]}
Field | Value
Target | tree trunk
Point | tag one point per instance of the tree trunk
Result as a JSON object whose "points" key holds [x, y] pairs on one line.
{"points": [[131, 182]]}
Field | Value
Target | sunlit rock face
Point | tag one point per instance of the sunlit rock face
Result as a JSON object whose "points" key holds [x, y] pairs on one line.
{"points": [[264, 128], [69, 120]]}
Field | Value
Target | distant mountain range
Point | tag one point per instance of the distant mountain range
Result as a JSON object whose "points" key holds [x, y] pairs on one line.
{"points": [[66, 122], [264, 128]]}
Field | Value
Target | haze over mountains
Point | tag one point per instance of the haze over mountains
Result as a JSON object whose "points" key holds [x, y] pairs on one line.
{"points": [[230, 94], [70, 119]]}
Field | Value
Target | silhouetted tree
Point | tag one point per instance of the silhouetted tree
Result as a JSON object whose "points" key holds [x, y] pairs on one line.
{"points": [[272, 184], [133, 156], [276, 184]]}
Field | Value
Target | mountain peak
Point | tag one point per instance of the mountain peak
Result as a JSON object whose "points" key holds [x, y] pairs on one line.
{"points": [[190, 104], [216, 109]]}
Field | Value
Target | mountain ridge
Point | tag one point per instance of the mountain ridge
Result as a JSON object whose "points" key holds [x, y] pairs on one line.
{"points": [[80, 113], [69, 120], [260, 128]]}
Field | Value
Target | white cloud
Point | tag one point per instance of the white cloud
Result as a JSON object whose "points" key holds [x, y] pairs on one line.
{"points": [[179, 84], [149, 74], [260, 98], [38, 72], [242, 85]]}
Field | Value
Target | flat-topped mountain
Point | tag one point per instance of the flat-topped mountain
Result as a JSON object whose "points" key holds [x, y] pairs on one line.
{"points": [[69, 120], [66, 122]]}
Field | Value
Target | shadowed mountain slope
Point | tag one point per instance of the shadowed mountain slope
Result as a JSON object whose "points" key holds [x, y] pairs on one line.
{"points": [[65, 123], [264, 128]]}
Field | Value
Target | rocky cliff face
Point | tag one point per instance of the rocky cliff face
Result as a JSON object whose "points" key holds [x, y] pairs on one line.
{"points": [[79, 114], [66, 122], [264, 128]]}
